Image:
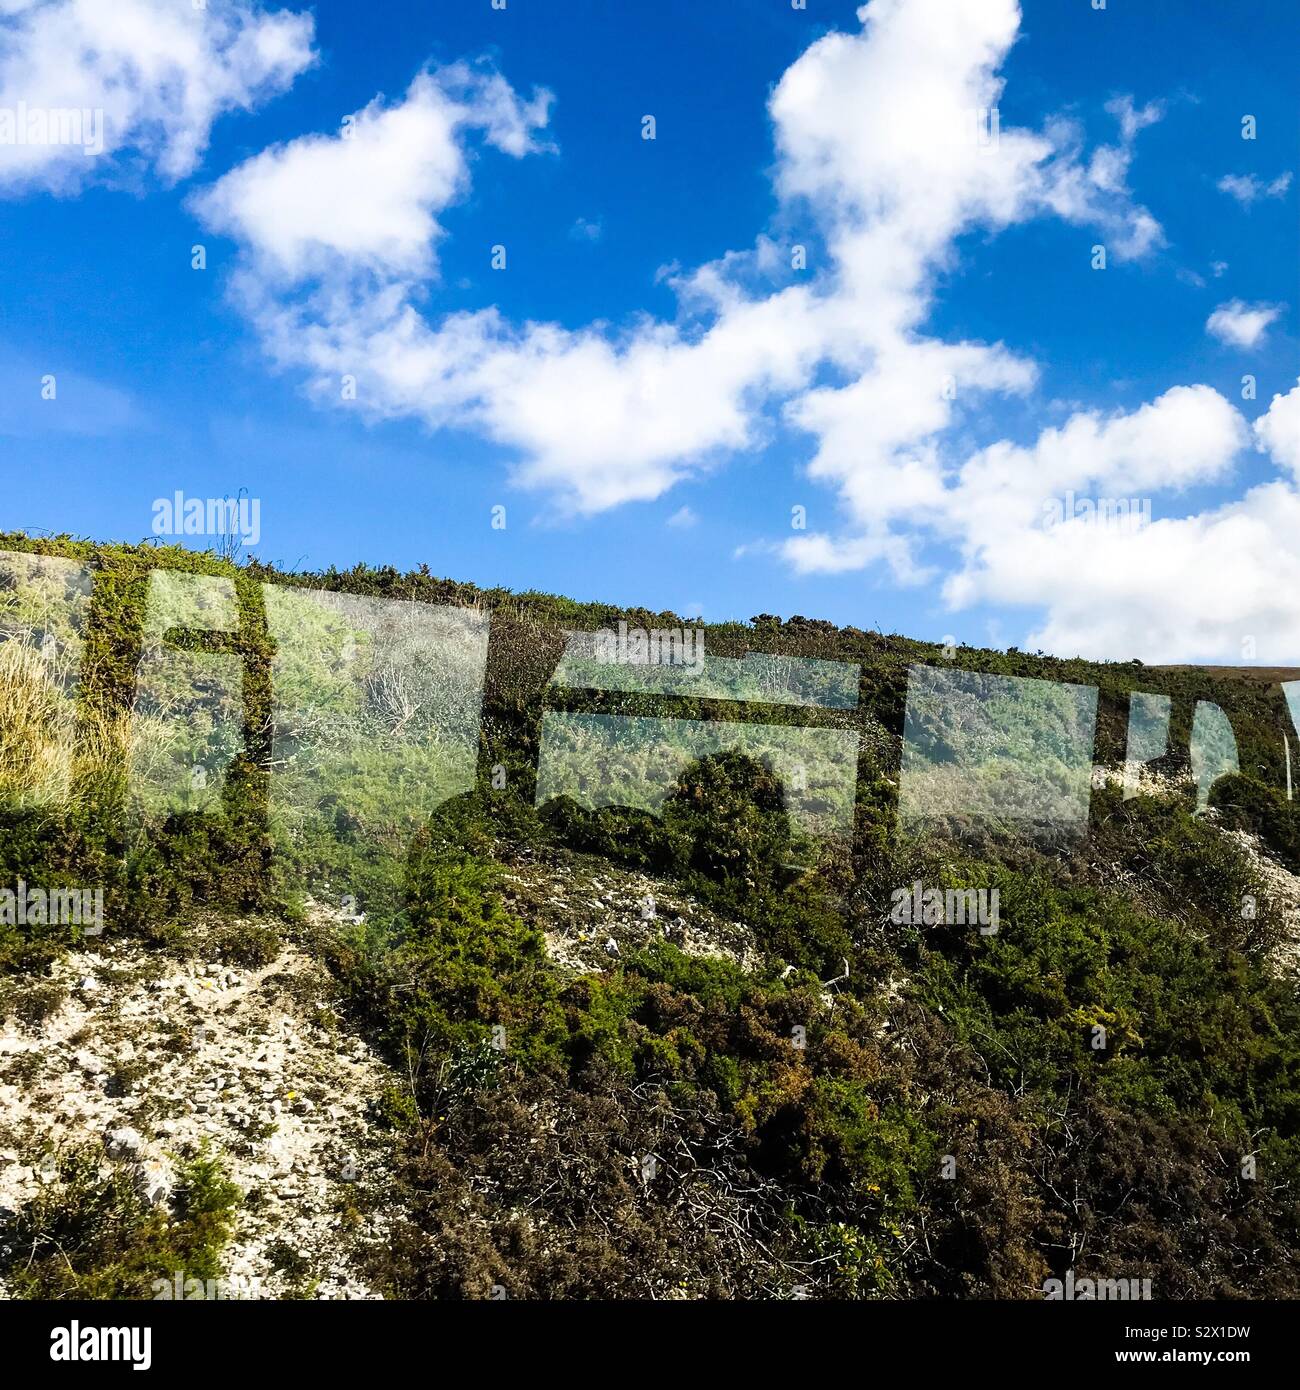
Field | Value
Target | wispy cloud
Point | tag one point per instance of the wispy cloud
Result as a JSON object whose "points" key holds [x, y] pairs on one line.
{"points": [[1248, 188], [585, 230], [44, 398]]}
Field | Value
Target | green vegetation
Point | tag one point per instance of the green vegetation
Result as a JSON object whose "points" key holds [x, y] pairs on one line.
{"points": [[89, 1234], [1109, 1082]]}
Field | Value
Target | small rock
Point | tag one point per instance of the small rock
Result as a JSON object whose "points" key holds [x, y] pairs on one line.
{"points": [[124, 1143], [153, 1181]]}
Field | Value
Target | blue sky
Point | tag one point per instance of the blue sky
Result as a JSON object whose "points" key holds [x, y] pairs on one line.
{"points": [[166, 380]]}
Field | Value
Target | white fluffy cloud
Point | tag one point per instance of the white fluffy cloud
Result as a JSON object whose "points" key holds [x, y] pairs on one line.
{"points": [[146, 79], [339, 238], [1179, 588], [1242, 325], [998, 514], [1278, 432], [1176, 588], [656, 399], [1187, 589], [397, 167]]}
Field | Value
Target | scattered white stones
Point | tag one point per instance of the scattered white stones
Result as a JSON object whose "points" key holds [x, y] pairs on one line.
{"points": [[153, 1180], [591, 913], [1283, 888], [217, 1054]]}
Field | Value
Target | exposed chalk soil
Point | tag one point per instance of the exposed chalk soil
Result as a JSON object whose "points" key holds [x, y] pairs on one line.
{"points": [[149, 1053], [149, 1056], [593, 914], [1283, 888]]}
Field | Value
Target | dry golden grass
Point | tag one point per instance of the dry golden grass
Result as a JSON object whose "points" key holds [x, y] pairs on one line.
{"points": [[36, 730], [43, 753]]}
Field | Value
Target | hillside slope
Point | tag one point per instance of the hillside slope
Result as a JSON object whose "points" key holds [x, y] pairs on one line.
{"points": [[366, 1019]]}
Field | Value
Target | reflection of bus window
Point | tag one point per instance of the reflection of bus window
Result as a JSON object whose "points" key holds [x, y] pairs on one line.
{"points": [[672, 661], [1148, 735], [1291, 692], [43, 603], [187, 723], [1214, 749], [996, 751], [376, 707], [624, 760]]}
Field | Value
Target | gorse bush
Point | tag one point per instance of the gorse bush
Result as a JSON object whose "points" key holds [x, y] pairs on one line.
{"points": [[90, 1234]]}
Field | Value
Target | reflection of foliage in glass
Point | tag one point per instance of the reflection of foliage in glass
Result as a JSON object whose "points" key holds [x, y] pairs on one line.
{"points": [[1213, 749], [1148, 735], [377, 706], [996, 749], [626, 760], [188, 722], [763, 677]]}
